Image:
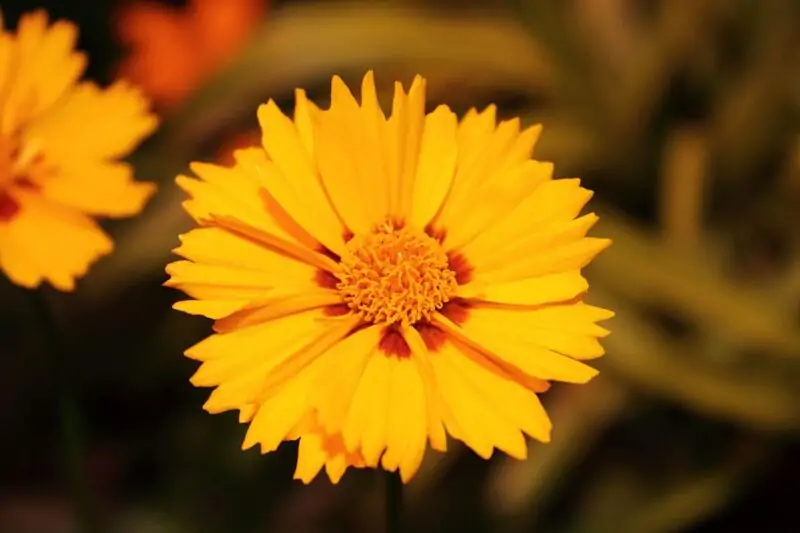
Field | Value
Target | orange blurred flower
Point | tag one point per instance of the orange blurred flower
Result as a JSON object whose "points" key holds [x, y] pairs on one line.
{"points": [[173, 50]]}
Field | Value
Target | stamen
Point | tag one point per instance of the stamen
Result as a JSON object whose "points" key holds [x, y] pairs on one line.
{"points": [[395, 275]]}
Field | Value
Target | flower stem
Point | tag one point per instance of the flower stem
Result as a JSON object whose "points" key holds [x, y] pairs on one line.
{"points": [[69, 418], [394, 502]]}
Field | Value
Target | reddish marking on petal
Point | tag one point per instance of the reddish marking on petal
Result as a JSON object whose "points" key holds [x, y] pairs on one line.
{"points": [[456, 310], [336, 310], [437, 234], [8, 207], [325, 279], [461, 267], [329, 253], [433, 337], [394, 344], [25, 183]]}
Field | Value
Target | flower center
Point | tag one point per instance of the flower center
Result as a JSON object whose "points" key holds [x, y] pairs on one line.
{"points": [[17, 163], [395, 275], [17, 160]]}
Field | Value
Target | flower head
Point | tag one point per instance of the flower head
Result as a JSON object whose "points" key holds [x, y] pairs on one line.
{"points": [[173, 50], [59, 144], [379, 283]]}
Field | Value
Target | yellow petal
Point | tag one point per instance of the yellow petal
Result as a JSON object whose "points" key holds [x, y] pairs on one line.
{"points": [[436, 165], [286, 302], [258, 348], [45, 241], [480, 425], [246, 413], [98, 188], [335, 467], [551, 204], [213, 309], [466, 410], [343, 164], [520, 406], [473, 131], [365, 427], [571, 329], [351, 155], [564, 257], [436, 432], [219, 282], [509, 351], [304, 115], [233, 191], [406, 432], [343, 371], [8, 62], [259, 341], [112, 121], [231, 272], [334, 330], [310, 458], [292, 178], [373, 150], [45, 67], [556, 248], [318, 449], [405, 126], [280, 412], [296, 251], [495, 199], [530, 291], [393, 150], [475, 169], [245, 378], [215, 246], [522, 149]]}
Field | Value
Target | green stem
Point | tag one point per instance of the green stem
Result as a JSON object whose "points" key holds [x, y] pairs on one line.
{"points": [[69, 417], [394, 502]]}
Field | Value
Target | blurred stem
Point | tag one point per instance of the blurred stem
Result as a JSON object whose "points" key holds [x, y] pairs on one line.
{"points": [[394, 502], [69, 419]]}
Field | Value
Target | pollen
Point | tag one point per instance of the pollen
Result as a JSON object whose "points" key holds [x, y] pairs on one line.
{"points": [[395, 276]]}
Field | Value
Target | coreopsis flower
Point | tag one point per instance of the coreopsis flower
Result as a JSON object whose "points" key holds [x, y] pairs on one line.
{"points": [[378, 284], [172, 50], [59, 144]]}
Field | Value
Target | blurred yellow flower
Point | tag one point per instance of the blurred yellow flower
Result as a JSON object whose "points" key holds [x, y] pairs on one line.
{"points": [[379, 283], [59, 140]]}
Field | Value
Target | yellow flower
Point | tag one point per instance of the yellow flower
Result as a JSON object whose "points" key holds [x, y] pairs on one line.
{"points": [[379, 283], [59, 141]]}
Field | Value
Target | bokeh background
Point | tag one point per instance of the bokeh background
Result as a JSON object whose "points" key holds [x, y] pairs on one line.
{"points": [[683, 115]]}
